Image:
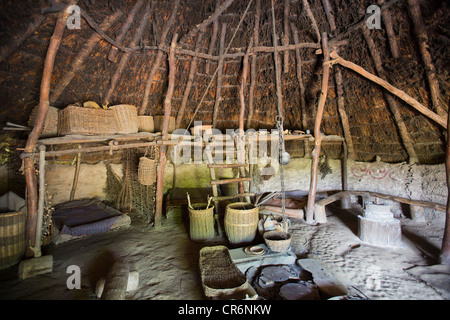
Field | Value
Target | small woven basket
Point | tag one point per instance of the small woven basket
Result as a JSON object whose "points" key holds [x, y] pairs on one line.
{"points": [[220, 275], [50, 128], [126, 118], [147, 171], [159, 120], [277, 241], [146, 124], [86, 121]]}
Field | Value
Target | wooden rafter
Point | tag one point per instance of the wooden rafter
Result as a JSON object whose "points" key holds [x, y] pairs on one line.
{"points": [[219, 74], [254, 58]]}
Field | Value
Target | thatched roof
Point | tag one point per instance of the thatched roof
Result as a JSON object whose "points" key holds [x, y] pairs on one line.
{"points": [[373, 129]]}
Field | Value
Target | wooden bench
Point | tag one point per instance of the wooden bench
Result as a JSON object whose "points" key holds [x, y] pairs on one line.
{"points": [[416, 205]]}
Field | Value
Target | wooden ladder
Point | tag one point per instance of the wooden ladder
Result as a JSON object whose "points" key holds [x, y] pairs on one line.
{"points": [[243, 187]]}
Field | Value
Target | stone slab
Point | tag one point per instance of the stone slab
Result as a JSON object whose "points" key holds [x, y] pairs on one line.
{"points": [[244, 261]]}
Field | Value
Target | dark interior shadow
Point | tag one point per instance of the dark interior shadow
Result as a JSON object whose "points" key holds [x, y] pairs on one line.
{"points": [[348, 216]]}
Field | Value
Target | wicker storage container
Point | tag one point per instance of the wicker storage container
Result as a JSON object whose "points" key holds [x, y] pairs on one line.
{"points": [[201, 221], [220, 276], [146, 124], [86, 121], [126, 118], [12, 238], [159, 120], [277, 241], [241, 222], [147, 171], [50, 128]]}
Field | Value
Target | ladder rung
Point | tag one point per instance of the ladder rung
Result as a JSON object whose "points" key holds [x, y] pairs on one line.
{"points": [[226, 181], [247, 194], [226, 165]]}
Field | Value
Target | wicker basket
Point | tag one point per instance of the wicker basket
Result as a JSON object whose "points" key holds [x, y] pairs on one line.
{"points": [[220, 276], [159, 120], [12, 238], [241, 222], [201, 222], [146, 124], [147, 171], [50, 128], [277, 241], [126, 118], [86, 121]]}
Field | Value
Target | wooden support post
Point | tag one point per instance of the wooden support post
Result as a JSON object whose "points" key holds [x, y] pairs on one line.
{"points": [[445, 251], [219, 74], [158, 59], [192, 70], [212, 43], [126, 56], [310, 15], [403, 131], [302, 88], [345, 201], [397, 92], [75, 176], [285, 38], [317, 133], [387, 20], [79, 61], [123, 31], [167, 113], [422, 39], [253, 77], [30, 177], [206, 22], [242, 90]]}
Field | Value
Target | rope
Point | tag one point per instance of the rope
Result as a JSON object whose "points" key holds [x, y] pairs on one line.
{"points": [[217, 69]]}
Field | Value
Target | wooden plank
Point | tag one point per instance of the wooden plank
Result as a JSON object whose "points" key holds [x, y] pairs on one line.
{"points": [[231, 180]]}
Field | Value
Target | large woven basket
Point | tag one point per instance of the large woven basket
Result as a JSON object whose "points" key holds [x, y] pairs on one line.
{"points": [[50, 128], [147, 171], [146, 124], [241, 222], [201, 222], [159, 120], [12, 238], [220, 276], [126, 118], [86, 121]]}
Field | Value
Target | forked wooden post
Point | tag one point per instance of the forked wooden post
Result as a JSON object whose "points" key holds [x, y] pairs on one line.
{"points": [[30, 177], [165, 130], [317, 133]]}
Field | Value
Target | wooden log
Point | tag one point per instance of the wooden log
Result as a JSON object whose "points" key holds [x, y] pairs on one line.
{"points": [[285, 38], [79, 61], [212, 43], [36, 266], [113, 52], [242, 90], [253, 78], [387, 20], [310, 15], [397, 92], [192, 70], [157, 62], [422, 39], [206, 22], [44, 104], [403, 131], [219, 74], [16, 40], [126, 56], [380, 233], [167, 113], [330, 15], [317, 133], [76, 176], [444, 256], [302, 89]]}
